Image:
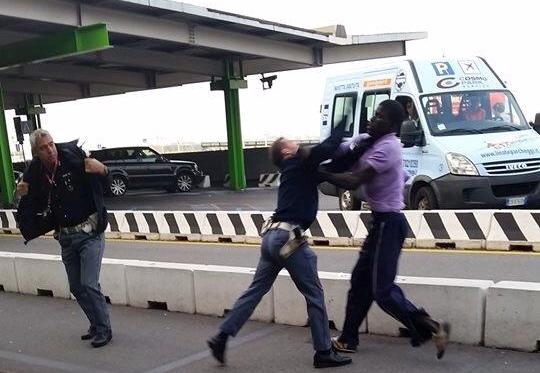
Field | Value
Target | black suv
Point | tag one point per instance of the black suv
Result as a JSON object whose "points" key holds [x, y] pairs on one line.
{"points": [[143, 167]]}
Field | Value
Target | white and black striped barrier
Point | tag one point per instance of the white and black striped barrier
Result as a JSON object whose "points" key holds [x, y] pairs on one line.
{"points": [[269, 180], [481, 312], [480, 229]]}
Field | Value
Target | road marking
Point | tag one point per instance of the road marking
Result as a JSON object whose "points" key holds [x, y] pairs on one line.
{"points": [[332, 248], [47, 363], [188, 360]]}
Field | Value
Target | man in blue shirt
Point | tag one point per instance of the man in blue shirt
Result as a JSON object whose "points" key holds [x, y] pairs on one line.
{"points": [[283, 246]]}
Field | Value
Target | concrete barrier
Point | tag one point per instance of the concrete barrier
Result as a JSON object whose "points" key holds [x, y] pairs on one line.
{"points": [[218, 287], [509, 319], [269, 180], [8, 277], [513, 315], [454, 229], [365, 222], [205, 182], [8, 223], [459, 301], [37, 273], [290, 305], [514, 230], [491, 229], [333, 228], [113, 281], [149, 283]]}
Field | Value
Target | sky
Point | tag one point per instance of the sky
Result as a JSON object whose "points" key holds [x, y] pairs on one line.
{"points": [[506, 35]]}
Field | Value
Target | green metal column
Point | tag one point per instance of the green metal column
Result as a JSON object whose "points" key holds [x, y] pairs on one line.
{"points": [[7, 181], [231, 82]]}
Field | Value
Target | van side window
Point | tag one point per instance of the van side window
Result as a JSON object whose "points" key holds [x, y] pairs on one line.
{"points": [[345, 106], [369, 104]]}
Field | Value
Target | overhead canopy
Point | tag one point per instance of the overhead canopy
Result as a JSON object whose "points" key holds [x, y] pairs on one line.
{"points": [[162, 43]]}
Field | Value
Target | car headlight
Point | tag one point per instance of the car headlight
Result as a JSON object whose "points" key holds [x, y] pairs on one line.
{"points": [[460, 165]]}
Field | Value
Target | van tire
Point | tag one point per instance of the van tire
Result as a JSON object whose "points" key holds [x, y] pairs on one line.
{"points": [[425, 199], [348, 202]]}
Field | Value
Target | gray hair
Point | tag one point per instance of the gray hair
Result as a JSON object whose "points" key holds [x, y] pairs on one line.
{"points": [[35, 136]]}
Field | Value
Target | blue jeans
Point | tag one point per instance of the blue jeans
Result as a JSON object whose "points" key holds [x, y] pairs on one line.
{"points": [[302, 266], [82, 254]]}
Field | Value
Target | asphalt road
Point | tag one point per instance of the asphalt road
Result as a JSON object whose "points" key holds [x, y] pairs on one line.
{"points": [[41, 335], [497, 266], [253, 199]]}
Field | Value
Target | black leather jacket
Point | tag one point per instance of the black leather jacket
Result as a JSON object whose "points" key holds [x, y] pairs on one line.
{"points": [[30, 218]]}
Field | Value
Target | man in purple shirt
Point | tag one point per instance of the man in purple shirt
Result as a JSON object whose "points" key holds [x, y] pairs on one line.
{"points": [[380, 172]]}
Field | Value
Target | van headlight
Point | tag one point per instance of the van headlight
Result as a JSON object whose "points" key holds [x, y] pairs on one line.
{"points": [[460, 165]]}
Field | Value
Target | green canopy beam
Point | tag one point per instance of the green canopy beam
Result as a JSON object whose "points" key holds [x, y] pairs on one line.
{"points": [[57, 45]]}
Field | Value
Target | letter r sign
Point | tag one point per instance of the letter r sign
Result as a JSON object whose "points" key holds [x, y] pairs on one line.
{"points": [[442, 68]]}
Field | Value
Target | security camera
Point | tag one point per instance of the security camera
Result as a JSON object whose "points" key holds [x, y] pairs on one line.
{"points": [[267, 81]]}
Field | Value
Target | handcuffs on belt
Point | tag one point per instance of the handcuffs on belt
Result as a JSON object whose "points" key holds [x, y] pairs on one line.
{"points": [[296, 236]]}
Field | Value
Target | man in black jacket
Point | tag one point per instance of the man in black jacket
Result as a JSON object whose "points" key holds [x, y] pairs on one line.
{"points": [[62, 189]]}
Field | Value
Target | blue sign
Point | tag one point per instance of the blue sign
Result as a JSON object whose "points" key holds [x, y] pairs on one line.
{"points": [[442, 68]]}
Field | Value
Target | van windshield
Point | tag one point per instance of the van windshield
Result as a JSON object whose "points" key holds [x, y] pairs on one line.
{"points": [[472, 112]]}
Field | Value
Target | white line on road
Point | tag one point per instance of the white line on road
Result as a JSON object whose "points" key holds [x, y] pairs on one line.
{"points": [[188, 360]]}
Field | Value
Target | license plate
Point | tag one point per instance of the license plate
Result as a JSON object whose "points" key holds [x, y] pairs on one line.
{"points": [[516, 201]]}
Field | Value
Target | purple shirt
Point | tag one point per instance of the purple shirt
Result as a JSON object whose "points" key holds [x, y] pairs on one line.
{"points": [[384, 192]]}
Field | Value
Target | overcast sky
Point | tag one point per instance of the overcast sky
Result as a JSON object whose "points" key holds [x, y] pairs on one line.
{"points": [[505, 33]]}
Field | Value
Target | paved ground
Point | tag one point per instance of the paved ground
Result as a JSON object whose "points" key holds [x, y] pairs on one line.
{"points": [[263, 199], [41, 335], [430, 263]]}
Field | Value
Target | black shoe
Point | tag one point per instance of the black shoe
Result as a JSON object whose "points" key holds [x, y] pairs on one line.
{"points": [[101, 340], [90, 334], [329, 360], [218, 344]]}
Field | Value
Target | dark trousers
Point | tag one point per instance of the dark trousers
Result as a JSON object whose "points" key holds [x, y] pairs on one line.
{"points": [[82, 254], [302, 266], [373, 280]]}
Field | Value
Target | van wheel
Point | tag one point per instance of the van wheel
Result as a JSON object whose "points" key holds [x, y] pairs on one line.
{"points": [[425, 199], [348, 202], [118, 186]]}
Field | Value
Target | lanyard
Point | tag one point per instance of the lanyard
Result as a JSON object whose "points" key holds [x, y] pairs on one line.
{"points": [[52, 183]]}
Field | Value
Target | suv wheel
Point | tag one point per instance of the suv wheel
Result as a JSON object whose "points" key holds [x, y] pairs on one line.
{"points": [[118, 186], [184, 182], [348, 202]]}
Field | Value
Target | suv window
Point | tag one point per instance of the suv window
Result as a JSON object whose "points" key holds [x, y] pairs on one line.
{"points": [[148, 154]]}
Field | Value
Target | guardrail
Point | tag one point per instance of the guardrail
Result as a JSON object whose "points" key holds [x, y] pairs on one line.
{"points": [[461, 229]]}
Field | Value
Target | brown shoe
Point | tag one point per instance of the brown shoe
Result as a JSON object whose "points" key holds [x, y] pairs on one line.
{"points": [[441, 337], [342, 346]]}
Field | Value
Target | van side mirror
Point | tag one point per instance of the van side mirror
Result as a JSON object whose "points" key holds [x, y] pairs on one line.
{"points": [[536, 124], [411, 134]]}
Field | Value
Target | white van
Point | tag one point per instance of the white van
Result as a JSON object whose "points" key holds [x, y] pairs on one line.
{"points": [[466, 141]]}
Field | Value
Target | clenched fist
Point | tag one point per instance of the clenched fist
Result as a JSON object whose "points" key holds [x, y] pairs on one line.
{"points": [[93, 166], [22, 189]]}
